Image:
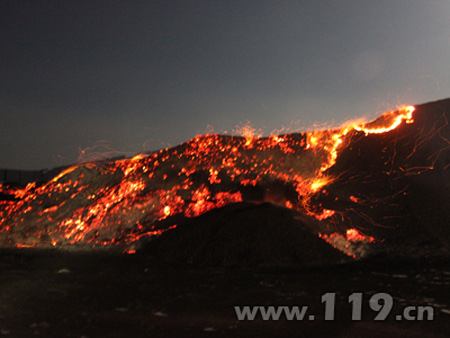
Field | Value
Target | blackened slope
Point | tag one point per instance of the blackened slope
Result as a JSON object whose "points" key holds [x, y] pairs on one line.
{"points": [[245, 234], [394, 186]]}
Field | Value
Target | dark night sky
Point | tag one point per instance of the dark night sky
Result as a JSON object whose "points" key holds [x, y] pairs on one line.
{"points": [[142, 75]]}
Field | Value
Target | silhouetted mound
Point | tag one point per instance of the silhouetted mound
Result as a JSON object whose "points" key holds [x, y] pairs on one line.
{"points": [[395, 186], [245, 234]]}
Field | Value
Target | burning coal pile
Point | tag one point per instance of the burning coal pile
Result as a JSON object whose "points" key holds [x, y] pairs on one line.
{"points": [[378, 187]]}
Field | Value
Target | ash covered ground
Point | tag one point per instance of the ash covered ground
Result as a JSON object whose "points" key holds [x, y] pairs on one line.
{"points": [[224, 221], [99, 294]]}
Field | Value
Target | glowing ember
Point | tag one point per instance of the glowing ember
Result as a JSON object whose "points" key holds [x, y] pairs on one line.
{"points": [[167, 210], [119, 202], [353, 235], [351, 244]]}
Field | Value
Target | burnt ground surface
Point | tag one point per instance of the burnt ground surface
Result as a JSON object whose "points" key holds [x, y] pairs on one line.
{"points": [[106, 294]]}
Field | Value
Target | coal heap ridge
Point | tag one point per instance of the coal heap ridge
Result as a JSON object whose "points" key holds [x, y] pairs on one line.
{"points": [[207, 199], [400, 179]]}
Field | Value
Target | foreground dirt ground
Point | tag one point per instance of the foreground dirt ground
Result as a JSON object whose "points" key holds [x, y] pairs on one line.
{"points": [[104, 294]]}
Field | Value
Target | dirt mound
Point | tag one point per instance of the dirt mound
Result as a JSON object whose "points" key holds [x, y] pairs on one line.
{"points": [[245, 234]]}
